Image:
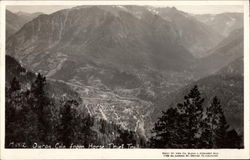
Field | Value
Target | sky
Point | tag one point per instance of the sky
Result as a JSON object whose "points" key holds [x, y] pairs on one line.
{"points": [[41, 8], [205, 9], [213, 9]]}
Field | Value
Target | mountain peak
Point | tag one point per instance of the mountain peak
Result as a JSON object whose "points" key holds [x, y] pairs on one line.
{"points": [[174, 8]]}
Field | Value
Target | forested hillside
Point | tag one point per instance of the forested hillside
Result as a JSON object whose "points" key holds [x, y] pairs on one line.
{"points": [[192, 124], [34, 118]]}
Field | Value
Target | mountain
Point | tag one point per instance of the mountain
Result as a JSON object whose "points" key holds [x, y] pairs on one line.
{"points": [[123, 61], [106, 33], [194, 35], [227, 51], [14, 21], [109, 56], [219, 74], [227, 84], [223, 23], [235, 67], [28, 16]]}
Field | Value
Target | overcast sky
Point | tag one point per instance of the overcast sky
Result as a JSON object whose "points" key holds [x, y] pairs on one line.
{"points": [[213, 9]]}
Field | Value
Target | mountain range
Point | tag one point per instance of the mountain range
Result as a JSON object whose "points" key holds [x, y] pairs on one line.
{"points": [[223, 23], [126, 62], [15, 21], [228, 50]]}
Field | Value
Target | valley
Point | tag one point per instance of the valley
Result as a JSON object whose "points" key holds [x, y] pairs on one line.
{"points": [[129, 63]]}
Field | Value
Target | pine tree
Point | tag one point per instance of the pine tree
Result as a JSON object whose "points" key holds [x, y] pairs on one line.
{"points": [[191, 114], [209, 124], [10, 117], [38, 85], [233, 140], [40, 103], [220, 131], [14, 85], [28, 120], [103, 126], [165, 130], [21, 121], [215, 131], [180, 127], [88, 134], [67, 127]]}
